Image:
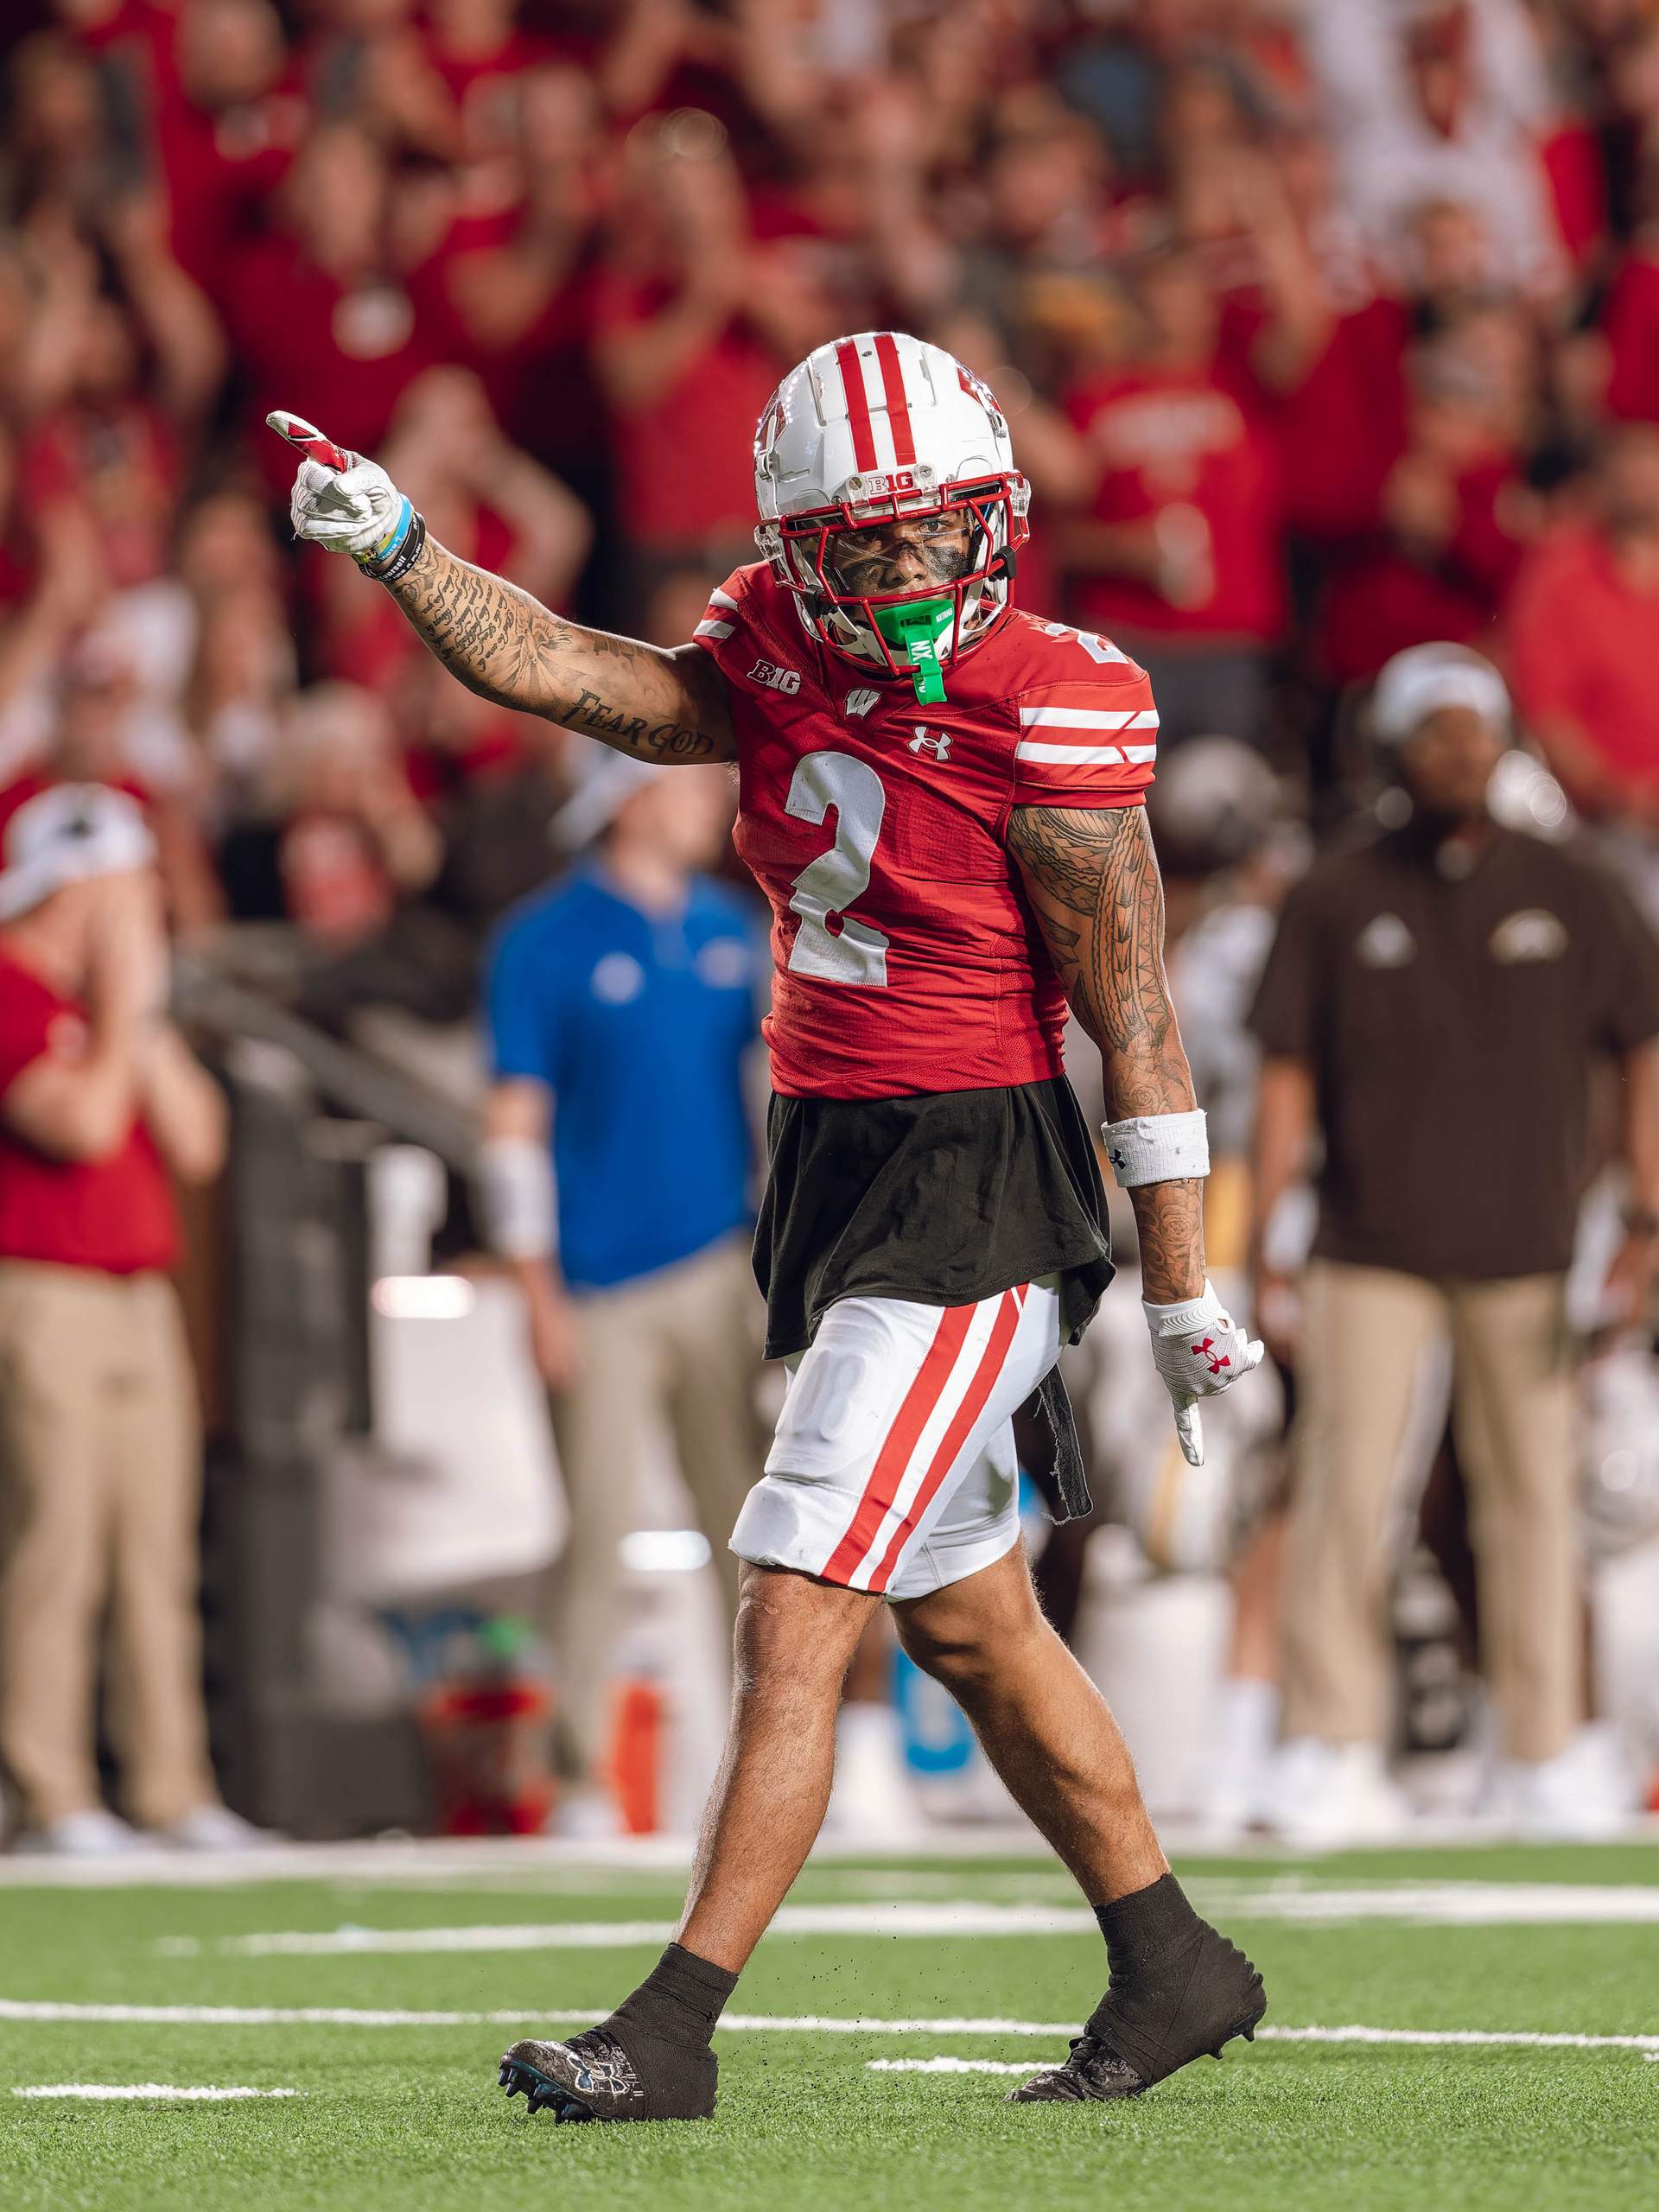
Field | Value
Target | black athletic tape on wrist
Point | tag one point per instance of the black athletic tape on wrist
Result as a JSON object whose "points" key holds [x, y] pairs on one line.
{"points": [[408, 552]]}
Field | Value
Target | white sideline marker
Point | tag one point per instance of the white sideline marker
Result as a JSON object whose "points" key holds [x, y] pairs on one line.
{"points": [[144, 2092], [425, 1859]]}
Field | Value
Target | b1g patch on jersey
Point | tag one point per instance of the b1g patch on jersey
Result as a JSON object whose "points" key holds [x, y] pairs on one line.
{"points": [[781, 679]]}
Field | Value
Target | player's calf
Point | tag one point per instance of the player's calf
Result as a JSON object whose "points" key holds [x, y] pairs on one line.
{"points": [[651, 2060], [1179, 1990]]}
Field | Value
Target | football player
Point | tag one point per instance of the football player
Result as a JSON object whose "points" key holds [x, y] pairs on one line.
{"points": [[941, 796]]}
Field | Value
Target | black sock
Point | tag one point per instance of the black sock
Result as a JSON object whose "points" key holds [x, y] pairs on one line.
{"points": [[1145, 1926], [681, 1999], [1178, 1987]]}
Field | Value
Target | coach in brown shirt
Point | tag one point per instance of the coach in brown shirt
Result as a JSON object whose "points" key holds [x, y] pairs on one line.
{"points": [[1433, 1007]]}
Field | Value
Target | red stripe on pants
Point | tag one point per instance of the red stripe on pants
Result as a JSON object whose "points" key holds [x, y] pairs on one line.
{"points": [[892, 390], [990, 1366], [893, 1457], [858, 403]]}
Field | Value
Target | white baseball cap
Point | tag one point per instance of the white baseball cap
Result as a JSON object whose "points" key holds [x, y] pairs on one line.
{"points": [[69, 834], [605, 780], [1423, 680]]}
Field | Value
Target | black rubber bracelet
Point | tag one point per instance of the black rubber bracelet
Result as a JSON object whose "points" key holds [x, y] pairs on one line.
{"points": [[408, 553]]}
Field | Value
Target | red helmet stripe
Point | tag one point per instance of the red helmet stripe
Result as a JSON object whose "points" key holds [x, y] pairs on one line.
{"points": [[858, 403], [892, 390]]}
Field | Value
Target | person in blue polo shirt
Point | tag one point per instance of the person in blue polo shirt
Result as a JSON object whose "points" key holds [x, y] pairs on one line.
{"points": [[621, 1004]]}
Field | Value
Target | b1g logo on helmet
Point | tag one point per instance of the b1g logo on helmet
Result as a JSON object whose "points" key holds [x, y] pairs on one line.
{"points": [[780, 679], [873, 485]]}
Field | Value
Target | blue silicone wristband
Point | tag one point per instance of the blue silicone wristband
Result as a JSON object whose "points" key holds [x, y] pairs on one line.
{"points": [[379, 555]]}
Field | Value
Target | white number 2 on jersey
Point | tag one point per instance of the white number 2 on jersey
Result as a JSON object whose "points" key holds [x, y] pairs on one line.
{"points": [[854, 953], [1101, 651]]}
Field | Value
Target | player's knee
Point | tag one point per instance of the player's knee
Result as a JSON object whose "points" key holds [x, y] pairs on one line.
{"points": [[780, 1644], [972, 1633], [958, 1654]]}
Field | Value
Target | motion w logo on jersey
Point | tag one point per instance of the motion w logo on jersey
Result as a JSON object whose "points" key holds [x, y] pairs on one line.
{"points": [[926, 740]]}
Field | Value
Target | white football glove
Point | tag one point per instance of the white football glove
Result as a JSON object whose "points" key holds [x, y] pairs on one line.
{"points": [[1200, 1350], [357, 512]]}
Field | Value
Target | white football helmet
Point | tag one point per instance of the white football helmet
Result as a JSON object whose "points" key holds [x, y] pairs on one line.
{"points": [[879, 428]]}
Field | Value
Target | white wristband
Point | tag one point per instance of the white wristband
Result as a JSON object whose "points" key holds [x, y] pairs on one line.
{"points": [[514, 1185], [1157, 1148]]}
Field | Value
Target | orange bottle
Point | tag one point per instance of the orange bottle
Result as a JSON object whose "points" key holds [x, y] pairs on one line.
{"points": [[636, 1736]]}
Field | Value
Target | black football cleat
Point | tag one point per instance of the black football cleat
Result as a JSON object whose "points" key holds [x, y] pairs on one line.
{"points": [[1152, 2022], [1091, 2075], [594, 2077]]}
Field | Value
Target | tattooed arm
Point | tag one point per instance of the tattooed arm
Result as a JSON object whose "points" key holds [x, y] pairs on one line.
{"points": [[654, 704], [1092, 880], [658, 705]]}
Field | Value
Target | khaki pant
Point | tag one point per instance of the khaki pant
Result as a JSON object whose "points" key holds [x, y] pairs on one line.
{"points": [[100, 1475], [679, 1348], [1372, 1406]]}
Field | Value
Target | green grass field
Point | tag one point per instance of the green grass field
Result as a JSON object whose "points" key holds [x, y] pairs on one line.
{"points": [[402, 2115]]}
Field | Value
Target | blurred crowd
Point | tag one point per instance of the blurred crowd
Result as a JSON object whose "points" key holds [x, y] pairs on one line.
{"points": [[1323, 331], [1327, 329]]}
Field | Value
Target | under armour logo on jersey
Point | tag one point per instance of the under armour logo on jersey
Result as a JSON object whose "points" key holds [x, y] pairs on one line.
{"points": [[860, 702], [924, 742]]}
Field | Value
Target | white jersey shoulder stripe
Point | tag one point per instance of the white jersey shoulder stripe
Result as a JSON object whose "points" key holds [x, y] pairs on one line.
{"points": [[1087, 718], [722, 599], [1084, 756], [710, 628]]}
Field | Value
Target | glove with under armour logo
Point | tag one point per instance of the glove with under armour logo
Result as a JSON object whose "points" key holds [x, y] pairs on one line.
{"points": [[1200, 1350]]}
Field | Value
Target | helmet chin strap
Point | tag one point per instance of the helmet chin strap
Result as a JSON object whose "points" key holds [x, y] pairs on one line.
{"points": [[914, 631]]}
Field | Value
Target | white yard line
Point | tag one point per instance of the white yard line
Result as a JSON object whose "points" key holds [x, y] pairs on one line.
{"points": [[263, 2016], [148, 2092], [1460, 1905], [339, 2015], [1417, 2038], [948, 2066], [421, 1859], [1525, 2038], [1435, 1904], [957, 1916]]}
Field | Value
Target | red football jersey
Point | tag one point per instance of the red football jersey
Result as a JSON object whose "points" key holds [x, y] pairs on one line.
{"points": [[906, 959]]}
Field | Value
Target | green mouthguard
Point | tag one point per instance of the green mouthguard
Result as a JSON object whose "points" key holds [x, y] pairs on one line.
{"points": [[915, 630]]}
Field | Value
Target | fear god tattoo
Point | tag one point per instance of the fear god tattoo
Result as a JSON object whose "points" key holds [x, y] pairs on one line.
{"points": [[502, 644]]}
